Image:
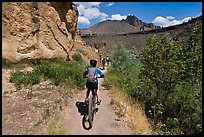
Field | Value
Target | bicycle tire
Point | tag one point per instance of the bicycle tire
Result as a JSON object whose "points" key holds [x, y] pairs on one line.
{"points": [[84, 120], [90, 111]]}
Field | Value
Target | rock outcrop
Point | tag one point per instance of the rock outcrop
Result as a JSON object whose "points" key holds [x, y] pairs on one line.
{"points": [[134, 21], [34, 30]]}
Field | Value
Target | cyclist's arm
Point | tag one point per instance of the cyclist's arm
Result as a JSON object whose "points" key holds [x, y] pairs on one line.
{"points": [[85, 73], [100, 73]]}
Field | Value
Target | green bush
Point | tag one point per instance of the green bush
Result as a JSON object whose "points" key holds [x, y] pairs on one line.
{"points": [[78, 58], [172, 73], [124, 70], [59, 71], [185, 104], [167, 80]]}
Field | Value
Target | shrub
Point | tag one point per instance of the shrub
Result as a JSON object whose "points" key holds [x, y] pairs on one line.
{"points": [[167, 80], [172, 73], [78, 58], [59, 71]]}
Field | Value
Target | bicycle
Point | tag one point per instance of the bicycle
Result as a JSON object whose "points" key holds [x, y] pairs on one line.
{"points": [[91, 106], [91, 103]]}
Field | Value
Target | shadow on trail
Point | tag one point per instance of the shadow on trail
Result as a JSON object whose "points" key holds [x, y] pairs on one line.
{"points": [[83, 110]]}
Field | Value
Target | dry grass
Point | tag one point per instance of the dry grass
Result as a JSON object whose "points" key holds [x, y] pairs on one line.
{"points": [[131, 111], [55, 128]]}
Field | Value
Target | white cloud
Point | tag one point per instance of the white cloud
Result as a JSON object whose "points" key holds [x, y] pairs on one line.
{"points": [[168, 21], [83, 20], [90, 10], [186, 19], [88, 4], [161, 21], [110, 4], [117, 17], [170, 17], [199, 14], [175, 22]]}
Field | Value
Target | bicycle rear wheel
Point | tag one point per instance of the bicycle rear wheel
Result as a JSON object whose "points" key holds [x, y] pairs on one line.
{"points": [[90, 111], [92, 105]]}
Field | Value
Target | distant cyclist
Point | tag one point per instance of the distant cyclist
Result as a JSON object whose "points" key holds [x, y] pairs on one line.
{"points": [[100, 58], [91, 73], [103, 63], [107, 60]]}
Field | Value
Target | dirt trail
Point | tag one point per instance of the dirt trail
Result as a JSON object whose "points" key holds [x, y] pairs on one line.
{"points": [[22, 112], [106, 121]]}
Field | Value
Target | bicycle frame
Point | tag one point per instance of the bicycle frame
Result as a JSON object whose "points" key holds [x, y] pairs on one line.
{"points": [[91, 108]]}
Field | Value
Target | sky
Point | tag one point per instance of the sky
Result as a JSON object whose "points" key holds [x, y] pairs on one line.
{"points": [[160, 13]]}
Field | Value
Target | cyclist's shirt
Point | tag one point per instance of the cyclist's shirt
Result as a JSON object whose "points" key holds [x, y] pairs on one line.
{"points": [[98, 72]]}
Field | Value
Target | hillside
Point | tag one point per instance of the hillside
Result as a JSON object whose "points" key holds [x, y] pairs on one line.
{"points": [[112, 27], [137, 40]]}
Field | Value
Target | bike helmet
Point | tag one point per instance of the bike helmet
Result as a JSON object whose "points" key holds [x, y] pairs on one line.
{"points": [[93, 62]]}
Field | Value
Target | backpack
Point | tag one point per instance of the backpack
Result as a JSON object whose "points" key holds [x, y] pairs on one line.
{"points": [[91, 74]]}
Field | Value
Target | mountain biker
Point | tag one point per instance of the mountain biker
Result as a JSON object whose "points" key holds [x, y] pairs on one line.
{"points": [[103, 63], [100, 57], [107, 60], [94, 84]]}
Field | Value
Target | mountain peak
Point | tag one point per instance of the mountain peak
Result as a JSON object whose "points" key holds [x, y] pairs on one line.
{"points": [[134, 21], [111, 27]]}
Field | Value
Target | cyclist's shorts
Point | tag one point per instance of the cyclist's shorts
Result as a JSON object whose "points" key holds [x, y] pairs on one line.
{"points": [[91, 85]]}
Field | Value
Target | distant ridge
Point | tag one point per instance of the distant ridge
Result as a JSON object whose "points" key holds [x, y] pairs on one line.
{"points": [[111, 27], [137, 40]]}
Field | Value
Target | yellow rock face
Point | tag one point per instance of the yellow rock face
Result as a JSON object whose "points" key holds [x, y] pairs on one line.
{"points": [[33, 30]]}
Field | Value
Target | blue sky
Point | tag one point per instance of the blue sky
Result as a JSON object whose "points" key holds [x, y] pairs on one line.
{"points": [[160, 13]]}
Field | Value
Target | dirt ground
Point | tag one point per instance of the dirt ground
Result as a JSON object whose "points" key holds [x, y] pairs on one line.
{"points": [[106, 122], [40, 110]]}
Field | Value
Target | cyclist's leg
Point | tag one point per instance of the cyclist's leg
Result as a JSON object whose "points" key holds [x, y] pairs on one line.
{"points": [[88, 89], [96, 90], [87, 92], [97, 97]]}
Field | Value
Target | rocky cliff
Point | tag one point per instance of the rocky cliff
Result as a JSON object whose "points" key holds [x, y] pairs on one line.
{"points": [[139, 24], [34, 30]]}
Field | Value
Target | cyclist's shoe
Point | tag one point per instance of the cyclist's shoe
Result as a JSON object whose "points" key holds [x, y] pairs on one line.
{"points": [[86, 100], [96, 110], [98, 102]]}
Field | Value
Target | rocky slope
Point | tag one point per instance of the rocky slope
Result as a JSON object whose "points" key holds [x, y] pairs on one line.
{"points": [[137, 40], [33, 30], [111, 27], [139, 24]]}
